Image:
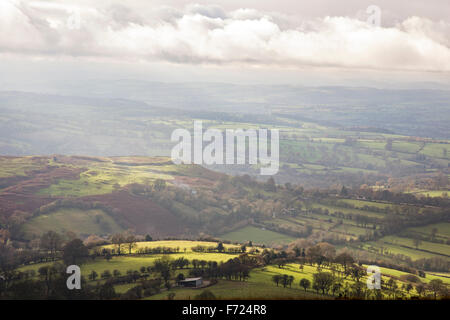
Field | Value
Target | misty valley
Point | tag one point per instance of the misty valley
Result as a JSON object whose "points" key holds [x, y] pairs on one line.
{"points": [[363, 195], [286, 154]]}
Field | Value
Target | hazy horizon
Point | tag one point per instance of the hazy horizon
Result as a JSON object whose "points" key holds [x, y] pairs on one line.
{"points": [[48, 45]]}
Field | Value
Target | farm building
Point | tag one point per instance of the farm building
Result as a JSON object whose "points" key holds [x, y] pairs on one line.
{"points": [[191, 282]]}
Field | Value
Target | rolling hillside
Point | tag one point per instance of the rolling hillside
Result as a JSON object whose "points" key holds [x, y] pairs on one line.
{"points": [[102, 196]]}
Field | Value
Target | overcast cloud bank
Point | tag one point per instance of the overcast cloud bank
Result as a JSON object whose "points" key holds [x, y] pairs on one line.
{"points": [[199, 34]]}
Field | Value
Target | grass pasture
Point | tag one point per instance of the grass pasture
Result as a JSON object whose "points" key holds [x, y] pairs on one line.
{"points": [[432, 193], [438, 248], [125, 263], [396, 249], [362, 203], [257, 236], [443, 229], [437, 150], [103, 178], [249, 290], [81, 222], [176, 244], [333, 209]]}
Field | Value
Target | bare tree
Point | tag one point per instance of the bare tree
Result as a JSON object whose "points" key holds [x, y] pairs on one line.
{"points": [[51, 241], [130, 242], [118, 240], [417, 242]]}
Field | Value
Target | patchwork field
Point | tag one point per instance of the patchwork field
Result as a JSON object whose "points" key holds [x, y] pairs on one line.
{"points": [[148, 196], [127, 262], [438, 248], [394, 249], [442, 229], [259, 285]]}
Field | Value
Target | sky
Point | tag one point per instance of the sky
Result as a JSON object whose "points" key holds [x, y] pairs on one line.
{"points": [[322, 42]]}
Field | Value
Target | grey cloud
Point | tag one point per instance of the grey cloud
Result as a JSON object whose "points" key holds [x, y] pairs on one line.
{"points": [[207, 34], [210, 11]]}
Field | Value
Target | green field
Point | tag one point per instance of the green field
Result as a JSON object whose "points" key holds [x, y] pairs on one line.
{"points": [[437, 150], [257, 235], [433, 193], [443, 229], [396, 249], [125, 263], [176, 244], [250, 289], [432, 247], [427, 279], [81, 222], [361, 203], [106, 177], [333, 209]]}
